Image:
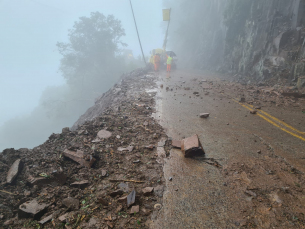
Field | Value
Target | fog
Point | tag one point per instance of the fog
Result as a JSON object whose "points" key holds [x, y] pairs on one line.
{"points": [[38, 93]]}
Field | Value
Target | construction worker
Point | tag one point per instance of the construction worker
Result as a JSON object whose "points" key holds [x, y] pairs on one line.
{"points": [[157, 61], [169, 62]]}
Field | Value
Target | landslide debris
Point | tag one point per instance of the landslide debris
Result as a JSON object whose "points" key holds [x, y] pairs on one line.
{"points": [[101, 175]]}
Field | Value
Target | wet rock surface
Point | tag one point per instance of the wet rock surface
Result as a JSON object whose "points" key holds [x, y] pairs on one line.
{"points": [[90, 177]]}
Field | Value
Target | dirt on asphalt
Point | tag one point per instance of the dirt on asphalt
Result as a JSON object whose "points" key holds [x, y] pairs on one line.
{"points": [[252, 175]]}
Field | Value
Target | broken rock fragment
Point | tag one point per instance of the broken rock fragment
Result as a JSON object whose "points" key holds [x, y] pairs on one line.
{"points": [[176, 144], [46, 219], [13, 172], [63, 217], [131, 198], [134, 209], [204, 115], [124, 187], [79, 157], [104, 134], [32, 209], [151, 147], [192, 147], [71, 203], [80, 184], [147, 191], [129, 148], [122, 199]]}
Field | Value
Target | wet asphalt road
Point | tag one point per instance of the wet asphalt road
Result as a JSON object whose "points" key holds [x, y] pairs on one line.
{"points": [[196, 197]]}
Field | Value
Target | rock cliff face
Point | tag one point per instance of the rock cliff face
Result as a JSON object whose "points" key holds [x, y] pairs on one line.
{"points": [[256, 39]]}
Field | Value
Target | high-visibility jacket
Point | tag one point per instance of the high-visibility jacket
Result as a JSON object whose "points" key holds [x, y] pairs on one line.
{"points": [[169, 60], [156, 59]]}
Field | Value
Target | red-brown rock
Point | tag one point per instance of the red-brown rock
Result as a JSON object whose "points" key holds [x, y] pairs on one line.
{"points": [[192, 147]]}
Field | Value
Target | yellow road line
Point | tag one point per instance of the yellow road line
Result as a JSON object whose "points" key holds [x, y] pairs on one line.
{"points": [[271, 122], [277, 120]]}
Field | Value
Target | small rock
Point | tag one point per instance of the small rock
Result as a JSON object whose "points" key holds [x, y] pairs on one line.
{"points": [[65, 130], [9, 222], [124, 187], [122, 199], [134, 209], [253, 112], [204, 115], [79, 156], [131, 198], [104, 173], [136, 161], [157, 206], [46, 219], [170, 178], [71, 203], [32, 209], [104, 134], [63, 217], [129, 148], [259, 151], [147, 191], [192, 147], [13, 172], [176, 144], [242, 100], [151, 147], [27, 193], [80, 184], [250, 193]]}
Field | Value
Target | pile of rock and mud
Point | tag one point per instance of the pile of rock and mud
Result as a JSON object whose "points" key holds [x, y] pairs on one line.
{"points": [[106, 173]]}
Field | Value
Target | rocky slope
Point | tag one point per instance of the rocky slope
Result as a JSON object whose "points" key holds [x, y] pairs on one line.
{"points": [[257, 40], [106, 173]]}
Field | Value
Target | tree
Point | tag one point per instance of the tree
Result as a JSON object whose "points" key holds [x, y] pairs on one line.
{"points": [[91, 63], [91, 59]]}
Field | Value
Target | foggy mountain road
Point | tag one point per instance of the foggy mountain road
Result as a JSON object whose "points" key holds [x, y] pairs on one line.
{"points": [[249, 148]]}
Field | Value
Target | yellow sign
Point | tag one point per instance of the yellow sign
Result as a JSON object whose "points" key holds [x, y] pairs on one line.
{"points": [[166, 14]]}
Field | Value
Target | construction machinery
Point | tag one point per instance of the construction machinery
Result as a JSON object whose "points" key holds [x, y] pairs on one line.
{"points": [[162, 51], [163, 57]]}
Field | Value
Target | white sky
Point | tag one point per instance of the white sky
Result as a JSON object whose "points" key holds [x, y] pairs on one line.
{"points": [[30, 29]]}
